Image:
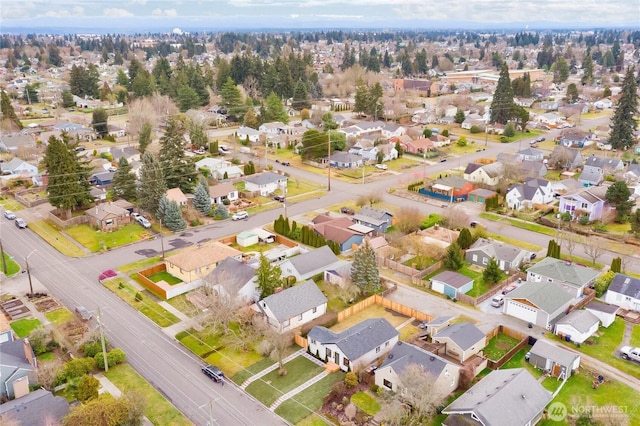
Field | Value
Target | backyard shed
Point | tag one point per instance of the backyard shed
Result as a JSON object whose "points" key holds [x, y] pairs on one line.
{"points": [[247, 238]]}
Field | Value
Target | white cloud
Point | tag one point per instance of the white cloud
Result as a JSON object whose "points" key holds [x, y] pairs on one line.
{"points": [[139, 2], [165, 12], [115, 12], [65, 13]]}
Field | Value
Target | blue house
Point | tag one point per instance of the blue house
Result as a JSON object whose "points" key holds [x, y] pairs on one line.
{"points": [[451, 283], [102, 178], [18, 368], [341, 230], [344, 160], [377, 219]]}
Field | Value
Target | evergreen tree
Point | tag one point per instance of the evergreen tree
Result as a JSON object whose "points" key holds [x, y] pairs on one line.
{"points": [[124, 181], [144, 138], [634, 221], [492, 273], [300, 97], [67, 99], [464, 239], [618, 196], [572, 92], [220, 212], [30, 94], [587, 67], [232, 99], [198, 135], [250, 119], [99, 121], [616, 264], [151, 187], [553, 249], [399, 150], [361, 98], [623, 123], [163, 207], [68, 185], [275, 110], [453, 260], [364, 271], [187, 98], [8, 113], [268, 277], [173, 217], [202, 198], [179, 171], [459, 117], [502, 105]]}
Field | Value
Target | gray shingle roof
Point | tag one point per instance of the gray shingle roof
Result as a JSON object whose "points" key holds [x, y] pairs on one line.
{"points": [[463, 334], [581, 320], [38, 408], [555, 353], [503, 398], [452, 279], [628, 286], [602, 307], [564, 272], [357, 340], [265, 178], [405, 354], [231, 274], [313, 260], [295, 300], [544, 295], [440, 320], [496, 249]]}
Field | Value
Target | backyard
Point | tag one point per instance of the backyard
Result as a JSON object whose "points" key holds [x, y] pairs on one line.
{"points": [[23, 327], [97, 241], [60, 316], [499, 345], [373, 311], [164, 276]]}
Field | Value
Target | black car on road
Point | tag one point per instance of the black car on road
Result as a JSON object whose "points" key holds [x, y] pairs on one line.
{"points": [[213, 372]]}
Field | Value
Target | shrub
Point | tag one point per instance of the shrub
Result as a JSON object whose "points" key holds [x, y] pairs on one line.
{"points": [[138, 296], [375, 388], [462, 141], [510, 130], [76, 368], [92, 347], [445, 133], [41, 340], [87, 388], [115, 357], [584, 220], [475, 129], [351, 379]]}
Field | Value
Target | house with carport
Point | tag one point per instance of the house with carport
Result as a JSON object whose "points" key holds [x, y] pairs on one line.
{"points": [[451, 284], [539, 303], [570, 276], [462, 340], [356, 347], [444, 373], [558, 361], [577, 326], [293, 307], [196, 262]]}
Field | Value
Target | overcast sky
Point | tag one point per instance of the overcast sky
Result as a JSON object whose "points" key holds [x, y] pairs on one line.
{"points": [[331, 13]]}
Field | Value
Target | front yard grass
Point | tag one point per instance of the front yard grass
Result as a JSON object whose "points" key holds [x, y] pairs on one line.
{"points": [[60, 316], [183, 305], [365, 402], [12, 266], [147, 306], [10, 204], [158, 409], [97, 241], [635, 336], [271, 386], [241, 376], [297, 408], [520, 224], [166, 277], [140, 264], [373, 311], [23, 327], [577, 394], [515, 242], [55, 239], [499, 345]]}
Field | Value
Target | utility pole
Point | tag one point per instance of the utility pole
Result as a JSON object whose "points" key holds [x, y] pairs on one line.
{"points": [[4, 260], [26, 260], [329, 160], [161, 240], [104, 346]]}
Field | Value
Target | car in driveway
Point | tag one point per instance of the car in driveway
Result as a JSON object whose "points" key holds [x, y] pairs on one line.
{"points": [[109, 273], [143, 221], [347, 210], [381, 166], [213, 373], [240, 216], [83, 313], [20, 223], [509, 289], [9, 215], [279, 198], [630, 353]]}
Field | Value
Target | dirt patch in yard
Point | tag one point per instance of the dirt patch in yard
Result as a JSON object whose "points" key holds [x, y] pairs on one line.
{"points": [[46, 304]]}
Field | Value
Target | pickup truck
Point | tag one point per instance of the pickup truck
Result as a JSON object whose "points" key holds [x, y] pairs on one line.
{"points": [[631, 353]]}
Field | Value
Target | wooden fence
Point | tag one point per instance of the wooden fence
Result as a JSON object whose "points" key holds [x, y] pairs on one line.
{"points": [[523, 340], [377, 299], [474, 301], [155, 288], [415, 275], [63, 224], [20, 196], [590, 294], [300, 341]]}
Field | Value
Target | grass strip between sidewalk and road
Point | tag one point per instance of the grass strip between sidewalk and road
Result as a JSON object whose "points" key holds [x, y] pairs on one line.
{"points": [[55, 239]]}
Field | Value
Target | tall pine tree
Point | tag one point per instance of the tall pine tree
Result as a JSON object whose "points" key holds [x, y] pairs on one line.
{"points": [[151, 187], [623, 123], [179, 171], [8, 113], [173, 217], [202, 198], [364, 271], [502, 106], [124, 181]]}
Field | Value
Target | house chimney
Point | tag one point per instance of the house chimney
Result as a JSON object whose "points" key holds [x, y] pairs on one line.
{"points": [[28, 352]]}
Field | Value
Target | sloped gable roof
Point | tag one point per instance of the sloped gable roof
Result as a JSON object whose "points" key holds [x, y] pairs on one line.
{"points": [[623, 284], [294, 301], [546, 296], [463, 334], [404, 354], [565, 272], [313, 260], [497, 249], [231, 274], [580, 319]]}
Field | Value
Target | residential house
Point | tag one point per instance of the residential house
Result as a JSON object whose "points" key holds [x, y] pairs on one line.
{"points": [[265, 183], [451, 284], [510, 397], [462, 340], [377, 219], [387, 151], [509, 258], [596, 168], [437, 324], [445, 374], [566, 158], [341, 230], [223, 191], [487, 174], [533, 191], [356, 347], [340, 275], [558, 361], [624, 291], [18, 366], [245, 133], [584, 202], [439, 141], [524, 102], [234, 279], [606, 313], [530, 154], [293, 307], [18, 167], [573, 278], [344, 160], [539, 303], [176, 195], [577, 326], [532, 169], [393, 130], [116, 131], [38, 408], [603, 103], [549, 105], [130, 153], [273, 128], [574, 138], [196, 262], [102, 178], [108, 216], [420, 145], [307, 265], [449, 188], [481, 195], [14, 143]]}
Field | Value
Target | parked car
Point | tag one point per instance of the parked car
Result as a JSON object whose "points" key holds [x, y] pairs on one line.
{"points": [[199, 151], [213, 373], [84, 313], [539, 139], [533, 256], [442, 160], [381, 166], [109, 273], [509, 289], [497, 301], [473, 224], [240, 216], [112, 168], [630, 353], [80, 148], [286, 163], [9, 215], [347, 210], [20, 223], [143, 221], [279, 198]]}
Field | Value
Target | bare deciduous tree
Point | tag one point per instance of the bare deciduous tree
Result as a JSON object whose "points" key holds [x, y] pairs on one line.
{"points": [[594, 249], [568, 241], [48, 372], [408, 219], [275, 344], [457, 218], [370, 199], [141, 112]]}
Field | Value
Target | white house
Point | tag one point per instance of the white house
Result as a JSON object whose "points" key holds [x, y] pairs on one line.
{"points": [[488, 174], [571, 277], [234, 279], [223, 191], [624, 291], [293, 307], [584, 201], [577, 325], [538, 303], [265, 183], [533, 191], [314, 262], [356, 347], [558, 361], [247, 132], [606, 313], [273, 128], [18, 167]]}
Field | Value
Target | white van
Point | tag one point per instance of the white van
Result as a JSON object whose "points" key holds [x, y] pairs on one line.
{"points": [[497, 301]]}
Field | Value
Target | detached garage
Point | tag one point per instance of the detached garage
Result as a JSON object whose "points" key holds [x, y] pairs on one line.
{"points": [[451, 283], [538, 303], [578, 326]]}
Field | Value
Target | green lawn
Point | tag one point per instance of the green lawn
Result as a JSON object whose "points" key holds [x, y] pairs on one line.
{"points": [[479, 286], [166, 277], [499, 345], [55, 239], [577, 394], [183, 305], [421, 262], [158, 409], [271, 386], [140, 264], [551, 383], [60, 316], [365, 402], [297, 408], [23, 327], [12, 266], [514, 242], [635, 336], [10, 204], [97, 241], [147, 306], [518, 361], [243, 375], [520, 224]]}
